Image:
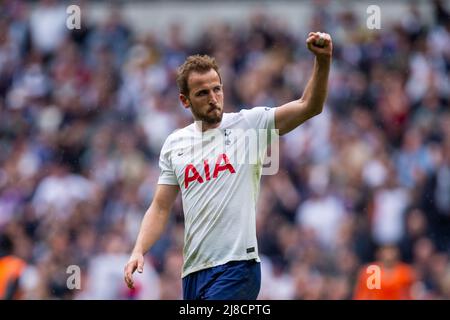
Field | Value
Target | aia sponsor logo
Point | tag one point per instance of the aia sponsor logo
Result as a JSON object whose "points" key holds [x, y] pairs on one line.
{"points": [[191, 173]]}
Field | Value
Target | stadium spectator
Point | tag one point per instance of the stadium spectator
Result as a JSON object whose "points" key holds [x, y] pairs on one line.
{"points": [[11, 269], [392, 280]]}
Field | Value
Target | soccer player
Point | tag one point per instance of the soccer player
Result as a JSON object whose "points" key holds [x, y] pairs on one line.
{"points": [[219, 196]]}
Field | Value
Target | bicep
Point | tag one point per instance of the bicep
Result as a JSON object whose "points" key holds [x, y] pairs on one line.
{"points": [[291, 115], [165, 196]]}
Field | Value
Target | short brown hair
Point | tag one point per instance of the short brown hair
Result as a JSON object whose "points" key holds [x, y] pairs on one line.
{"points": [[196, 63]]}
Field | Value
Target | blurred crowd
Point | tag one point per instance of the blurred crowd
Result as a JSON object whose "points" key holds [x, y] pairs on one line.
{"points": [[84, 113]]}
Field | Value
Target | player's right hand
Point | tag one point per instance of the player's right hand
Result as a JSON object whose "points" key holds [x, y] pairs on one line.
{"points": [[136, 262]]}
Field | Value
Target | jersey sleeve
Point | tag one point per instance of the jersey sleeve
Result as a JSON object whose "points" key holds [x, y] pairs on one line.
{"points": [[167, 173]]}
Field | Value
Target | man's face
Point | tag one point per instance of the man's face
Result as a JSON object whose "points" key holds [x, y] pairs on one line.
{"points": [[205, 97], [388, 255]]}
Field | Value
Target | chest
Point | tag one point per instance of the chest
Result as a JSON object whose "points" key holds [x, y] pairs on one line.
{"points": [[210, 158]]}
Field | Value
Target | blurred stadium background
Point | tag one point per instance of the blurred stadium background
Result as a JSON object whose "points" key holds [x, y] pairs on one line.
{"points": [[83, 115]]}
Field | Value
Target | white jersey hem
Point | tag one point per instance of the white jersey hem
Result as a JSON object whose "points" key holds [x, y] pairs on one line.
{"points": [[218, 263]]}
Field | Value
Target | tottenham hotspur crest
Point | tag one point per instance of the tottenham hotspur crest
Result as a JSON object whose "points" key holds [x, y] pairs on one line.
{"points": [[227, 133]]}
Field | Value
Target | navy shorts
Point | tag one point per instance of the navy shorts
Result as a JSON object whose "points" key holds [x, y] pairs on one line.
{"points": [[235, 280]]}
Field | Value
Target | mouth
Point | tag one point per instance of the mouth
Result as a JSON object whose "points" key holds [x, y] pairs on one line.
{"points": [[213, 115]]}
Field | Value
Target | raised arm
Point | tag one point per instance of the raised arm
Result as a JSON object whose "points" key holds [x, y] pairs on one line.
{"points": [[294, 113], [152, 227]]}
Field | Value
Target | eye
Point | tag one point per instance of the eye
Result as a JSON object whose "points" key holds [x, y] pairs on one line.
{"points": [[218, 89], [202, 93]]}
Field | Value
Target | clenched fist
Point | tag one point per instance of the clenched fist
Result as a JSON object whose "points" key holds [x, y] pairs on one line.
{"points": [[320, 44]]}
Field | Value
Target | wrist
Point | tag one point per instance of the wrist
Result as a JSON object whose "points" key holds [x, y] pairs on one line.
{"points": [[323, 60], [322, 64], [137, 251]]}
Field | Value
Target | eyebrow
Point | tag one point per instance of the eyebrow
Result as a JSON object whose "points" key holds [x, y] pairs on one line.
{"points": [[206, 89]]}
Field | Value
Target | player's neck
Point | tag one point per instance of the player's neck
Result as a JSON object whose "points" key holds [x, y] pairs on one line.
{"points": [[204, 126]]}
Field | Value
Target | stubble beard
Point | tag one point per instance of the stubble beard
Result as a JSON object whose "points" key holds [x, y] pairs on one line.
{"points": [[206, 118]]}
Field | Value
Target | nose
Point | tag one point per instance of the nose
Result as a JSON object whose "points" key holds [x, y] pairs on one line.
{"points": [[213, 98]]}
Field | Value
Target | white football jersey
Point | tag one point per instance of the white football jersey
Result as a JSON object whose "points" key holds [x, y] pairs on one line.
{"points": [[218, 172]]}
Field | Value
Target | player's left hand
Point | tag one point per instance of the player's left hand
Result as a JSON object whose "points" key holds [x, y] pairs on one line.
{"points": [[320, 44]]}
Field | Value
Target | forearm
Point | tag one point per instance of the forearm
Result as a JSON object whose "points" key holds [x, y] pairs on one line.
{"points": [[315, 93], [152, 226]]}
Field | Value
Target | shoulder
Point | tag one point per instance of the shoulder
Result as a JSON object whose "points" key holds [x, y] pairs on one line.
{"points": [[257, 114], [246, 114], [257, 109], [230, 118], [406, 268], [176, 139], [261, 117], [181, 133]]}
